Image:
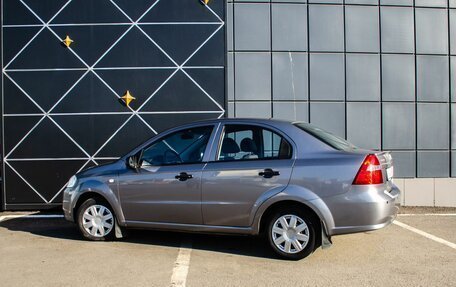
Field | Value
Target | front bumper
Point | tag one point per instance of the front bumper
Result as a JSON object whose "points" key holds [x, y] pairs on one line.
{"points": [[364, 208], [67, 203]]}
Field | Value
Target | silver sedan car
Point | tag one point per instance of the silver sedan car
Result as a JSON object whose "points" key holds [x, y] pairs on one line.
{"points": [[293, 183]]}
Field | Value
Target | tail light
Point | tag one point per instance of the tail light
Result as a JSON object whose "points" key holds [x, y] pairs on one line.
{"points": [[370, 171]]}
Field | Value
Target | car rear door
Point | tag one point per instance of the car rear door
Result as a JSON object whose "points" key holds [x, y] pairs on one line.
{"points": [[250, 164]]}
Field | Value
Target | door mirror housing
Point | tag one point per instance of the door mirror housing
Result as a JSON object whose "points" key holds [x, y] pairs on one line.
{"points": [[135, 161]]}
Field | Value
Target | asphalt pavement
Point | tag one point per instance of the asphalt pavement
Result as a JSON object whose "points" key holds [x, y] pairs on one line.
{"points": [[48, 251]]}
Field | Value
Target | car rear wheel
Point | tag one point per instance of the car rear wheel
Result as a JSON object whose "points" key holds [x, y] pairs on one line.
{"points": [[291, 234], [96, 220]]}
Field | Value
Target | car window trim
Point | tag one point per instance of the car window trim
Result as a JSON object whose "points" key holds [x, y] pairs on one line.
{"points": [[212, 141], [250, 160], [173, 164]]}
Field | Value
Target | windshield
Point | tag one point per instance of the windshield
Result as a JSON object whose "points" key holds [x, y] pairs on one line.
{"points": [[326, 137]]}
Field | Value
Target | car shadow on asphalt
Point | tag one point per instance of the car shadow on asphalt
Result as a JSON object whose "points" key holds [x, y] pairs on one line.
{"points": [[59, 228]]}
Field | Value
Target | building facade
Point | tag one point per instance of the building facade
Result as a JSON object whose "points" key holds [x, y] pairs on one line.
{"points": [[84, 82], [381, 73]]}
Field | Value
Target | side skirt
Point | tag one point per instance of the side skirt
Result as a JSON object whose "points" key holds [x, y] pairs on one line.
{"points": [[191, 227]]}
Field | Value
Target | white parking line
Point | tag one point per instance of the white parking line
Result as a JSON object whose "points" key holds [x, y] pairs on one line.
{"points": [[5, 217], [427, 214], [180, 269], [425, 234]]}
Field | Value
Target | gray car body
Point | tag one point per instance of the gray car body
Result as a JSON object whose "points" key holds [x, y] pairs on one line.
{"points": [[230, 197]]}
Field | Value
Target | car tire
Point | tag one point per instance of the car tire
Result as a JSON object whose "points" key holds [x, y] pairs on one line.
{"points": [[96, 220], [291, 234]]}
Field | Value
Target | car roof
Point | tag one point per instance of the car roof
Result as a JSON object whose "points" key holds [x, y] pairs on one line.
{"points": [[244, 120]]}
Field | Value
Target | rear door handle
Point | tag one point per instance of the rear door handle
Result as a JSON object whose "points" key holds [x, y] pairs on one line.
{"points": [[183, 176], [268, 173]]}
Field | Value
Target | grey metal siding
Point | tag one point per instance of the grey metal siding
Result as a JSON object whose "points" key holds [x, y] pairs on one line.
{"points": [[378, 72]]}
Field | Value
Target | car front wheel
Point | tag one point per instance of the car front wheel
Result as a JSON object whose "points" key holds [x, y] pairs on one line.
{"points": [[291, 234], [96, 220]]}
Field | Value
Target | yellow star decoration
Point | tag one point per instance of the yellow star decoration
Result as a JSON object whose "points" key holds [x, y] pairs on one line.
{"points": [[128, 98], [67, 41], [205, 2]]}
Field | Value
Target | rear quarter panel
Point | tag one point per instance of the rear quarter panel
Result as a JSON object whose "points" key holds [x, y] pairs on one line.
{"points": [[326, 173]]}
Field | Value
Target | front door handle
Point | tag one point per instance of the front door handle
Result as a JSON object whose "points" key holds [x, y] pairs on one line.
{"points": [[268, 173], [183, 176]]}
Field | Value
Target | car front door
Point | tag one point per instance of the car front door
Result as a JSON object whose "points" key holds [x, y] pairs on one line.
{"points": [[166, 188], [252, 162]]}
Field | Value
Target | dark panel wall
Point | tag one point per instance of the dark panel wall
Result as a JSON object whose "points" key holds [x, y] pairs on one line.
{"points": [[1, 118], [62, 107]]}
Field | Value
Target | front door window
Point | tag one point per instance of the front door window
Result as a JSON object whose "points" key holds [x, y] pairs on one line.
{"points": [[182, 147]]}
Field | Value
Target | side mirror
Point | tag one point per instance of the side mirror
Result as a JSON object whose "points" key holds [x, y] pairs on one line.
{"points": [[135, 161]]}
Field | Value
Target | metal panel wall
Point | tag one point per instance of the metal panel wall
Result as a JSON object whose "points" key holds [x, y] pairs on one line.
{"points": [[381, 73], [62, 106]]}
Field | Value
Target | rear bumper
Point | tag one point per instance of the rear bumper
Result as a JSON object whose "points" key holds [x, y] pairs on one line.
{"points": [[364, 208]]}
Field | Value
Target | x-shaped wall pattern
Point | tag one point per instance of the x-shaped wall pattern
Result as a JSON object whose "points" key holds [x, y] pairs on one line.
{"points": [[62, 108]]}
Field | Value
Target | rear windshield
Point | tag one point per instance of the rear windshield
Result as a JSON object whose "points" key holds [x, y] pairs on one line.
{"points": [[326, 137]]}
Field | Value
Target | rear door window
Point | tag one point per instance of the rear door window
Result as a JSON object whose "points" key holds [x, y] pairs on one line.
{"points": [[248, 142]]}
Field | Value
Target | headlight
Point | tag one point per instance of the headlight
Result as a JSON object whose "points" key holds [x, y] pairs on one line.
{"points": [[72, 181]]}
